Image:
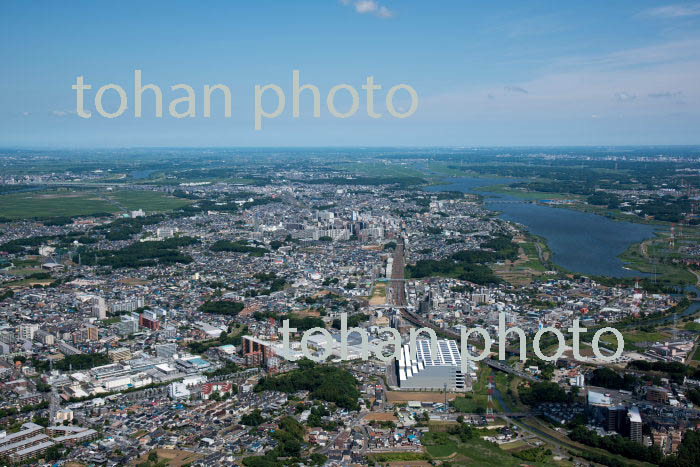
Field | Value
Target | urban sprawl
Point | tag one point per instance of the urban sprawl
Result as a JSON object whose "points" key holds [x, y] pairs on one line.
{"points": [[202, 321]]}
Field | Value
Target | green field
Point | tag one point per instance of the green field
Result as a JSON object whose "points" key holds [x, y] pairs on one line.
{"points": [[476, 452], [65, 202], [147, 200], [654, 256], [477, 400], [696, 354], [634, 337]]}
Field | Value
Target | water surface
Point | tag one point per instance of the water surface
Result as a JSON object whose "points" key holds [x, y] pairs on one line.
{"points": [[580, 242]]}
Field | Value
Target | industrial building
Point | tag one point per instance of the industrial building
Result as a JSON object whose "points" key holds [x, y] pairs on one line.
{"points": [[431, 371]]}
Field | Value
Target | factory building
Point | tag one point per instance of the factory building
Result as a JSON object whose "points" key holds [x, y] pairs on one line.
{"points": [[431, 371]]}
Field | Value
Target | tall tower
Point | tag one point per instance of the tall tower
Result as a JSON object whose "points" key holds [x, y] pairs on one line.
{"points": [[672, 238], [489, 403]]}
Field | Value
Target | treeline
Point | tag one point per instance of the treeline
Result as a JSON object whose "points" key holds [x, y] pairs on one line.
{"points": [[327, 383], [83, 361], [468, 265], [290, 441], [542, 392], [9, 411], [6, 294], [353, 320], [463, 265], [675, 371], [139, 254], [238, 246], [370, 181], [503, 247], [225, 338], [273, 282], [21, 245], [667, 208], [301, 323], [688, 454], [222, 307], [602, 198], [607, 378], [124, 229], [466, 271], [617, 445]]}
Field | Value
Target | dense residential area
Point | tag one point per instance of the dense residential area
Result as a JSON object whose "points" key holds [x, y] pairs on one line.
{"points": [[143, 302]]}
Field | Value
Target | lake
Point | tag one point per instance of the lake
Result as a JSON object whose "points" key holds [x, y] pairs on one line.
{"points": [[580, 242]]}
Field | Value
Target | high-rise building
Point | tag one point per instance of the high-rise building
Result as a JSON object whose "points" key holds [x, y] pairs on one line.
{"points": [[45, 337], [92, 333], [635, 424], [26, 331], [149, 320], [130, 305], [98, 308], [129, 324]]}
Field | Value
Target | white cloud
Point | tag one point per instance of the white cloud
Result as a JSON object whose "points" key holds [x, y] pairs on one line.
{"points": [[366, 6], [26, 114], [61, 113], [665, 95], [673, 11], [517, 89], [624, 96], [384, 12], [654, 81], [369, 7]]}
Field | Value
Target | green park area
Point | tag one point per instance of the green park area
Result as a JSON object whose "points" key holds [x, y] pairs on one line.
{"points": [[457, 446], [70, 202], [661, 257]]}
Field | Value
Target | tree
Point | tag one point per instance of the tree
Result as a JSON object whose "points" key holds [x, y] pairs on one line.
{"points": [[688, 453], [254, 418]]}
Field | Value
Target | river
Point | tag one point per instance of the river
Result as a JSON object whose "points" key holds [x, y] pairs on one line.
{"points": [[580, 242]]}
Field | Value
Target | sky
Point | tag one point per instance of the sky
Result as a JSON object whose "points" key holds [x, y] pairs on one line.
{"points": [[511, 72]]}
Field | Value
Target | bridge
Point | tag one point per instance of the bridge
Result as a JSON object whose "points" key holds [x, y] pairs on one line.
{"points": [[510, 201], [498, 365]]}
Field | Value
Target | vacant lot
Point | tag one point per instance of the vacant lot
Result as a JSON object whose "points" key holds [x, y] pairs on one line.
{"points": [[381, 417], [379, 295], [173, 457]]}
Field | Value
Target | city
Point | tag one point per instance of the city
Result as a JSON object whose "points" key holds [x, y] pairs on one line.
{"points": [[151, 330], [350, 233]]}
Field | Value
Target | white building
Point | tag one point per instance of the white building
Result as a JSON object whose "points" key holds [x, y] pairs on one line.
{"points": [[431, 370], [178, 391], [26, 331]]}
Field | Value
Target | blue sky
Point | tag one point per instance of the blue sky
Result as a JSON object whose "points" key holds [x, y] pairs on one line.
{"points": [[522, 72]]}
